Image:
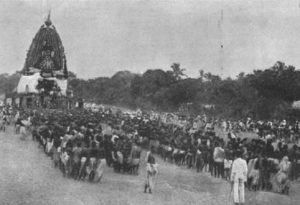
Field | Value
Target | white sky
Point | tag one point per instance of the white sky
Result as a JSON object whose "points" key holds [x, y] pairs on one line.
{"points": [[103, 37]]}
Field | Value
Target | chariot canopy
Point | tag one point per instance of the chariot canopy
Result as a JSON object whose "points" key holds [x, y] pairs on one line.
{"points": [[46, 53]]}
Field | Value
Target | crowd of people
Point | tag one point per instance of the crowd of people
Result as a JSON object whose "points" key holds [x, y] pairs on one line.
{"points": [[273, 157], [82, 143], [289, 131]]}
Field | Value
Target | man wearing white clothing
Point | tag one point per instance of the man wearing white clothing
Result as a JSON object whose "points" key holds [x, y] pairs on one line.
{"points": [[238, 179], [152, 171]]}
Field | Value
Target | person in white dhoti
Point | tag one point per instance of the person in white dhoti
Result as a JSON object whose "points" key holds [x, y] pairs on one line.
{"points": [[49, 146], [152, 171], [23, 131], [238, 178]]}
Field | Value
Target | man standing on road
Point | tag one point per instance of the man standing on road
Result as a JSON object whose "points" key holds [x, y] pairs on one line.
{"points": [[238, 178], [152, 171], [219, 155]]}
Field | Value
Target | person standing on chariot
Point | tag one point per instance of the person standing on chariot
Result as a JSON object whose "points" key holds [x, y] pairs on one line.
{"points": [[152, 171]]}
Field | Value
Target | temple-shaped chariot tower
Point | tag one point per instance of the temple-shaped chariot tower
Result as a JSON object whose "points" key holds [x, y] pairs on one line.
{"points": [[44, 77]]}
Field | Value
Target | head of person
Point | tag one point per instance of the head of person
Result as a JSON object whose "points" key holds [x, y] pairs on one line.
{"points": [[285, 159], [238, 154], [294, 148]]}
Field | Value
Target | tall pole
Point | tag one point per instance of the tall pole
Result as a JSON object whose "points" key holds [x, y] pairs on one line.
{"points": [[221, 43]]}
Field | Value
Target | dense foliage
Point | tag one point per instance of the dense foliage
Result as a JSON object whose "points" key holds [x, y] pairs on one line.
{"points": [[8, 82], [262, 94]]}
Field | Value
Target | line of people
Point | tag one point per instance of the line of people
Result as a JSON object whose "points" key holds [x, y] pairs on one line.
{"points": [[272, 161], [76, 142]]}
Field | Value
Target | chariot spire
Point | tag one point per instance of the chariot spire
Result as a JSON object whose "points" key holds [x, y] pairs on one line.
{"points": [[48, 21]]}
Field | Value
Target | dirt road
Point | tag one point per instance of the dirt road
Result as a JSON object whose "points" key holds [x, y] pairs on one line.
{"points": [[27, 177]]}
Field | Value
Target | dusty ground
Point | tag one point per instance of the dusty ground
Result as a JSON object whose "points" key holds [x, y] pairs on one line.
{"points": [[27, 176]]}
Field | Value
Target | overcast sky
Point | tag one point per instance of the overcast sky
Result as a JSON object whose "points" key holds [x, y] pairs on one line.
{"points": [[103, 37]]}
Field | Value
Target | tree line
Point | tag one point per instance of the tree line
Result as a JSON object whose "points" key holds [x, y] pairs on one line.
{"points": [[262, 94]]}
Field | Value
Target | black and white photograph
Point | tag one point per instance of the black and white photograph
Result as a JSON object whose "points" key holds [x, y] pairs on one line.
{"points": [[149, 102]]}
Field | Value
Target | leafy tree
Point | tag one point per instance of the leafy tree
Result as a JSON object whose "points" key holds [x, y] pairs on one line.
{"points": [[178, 72], [71, 75], [182, 92], [8, 83]]}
